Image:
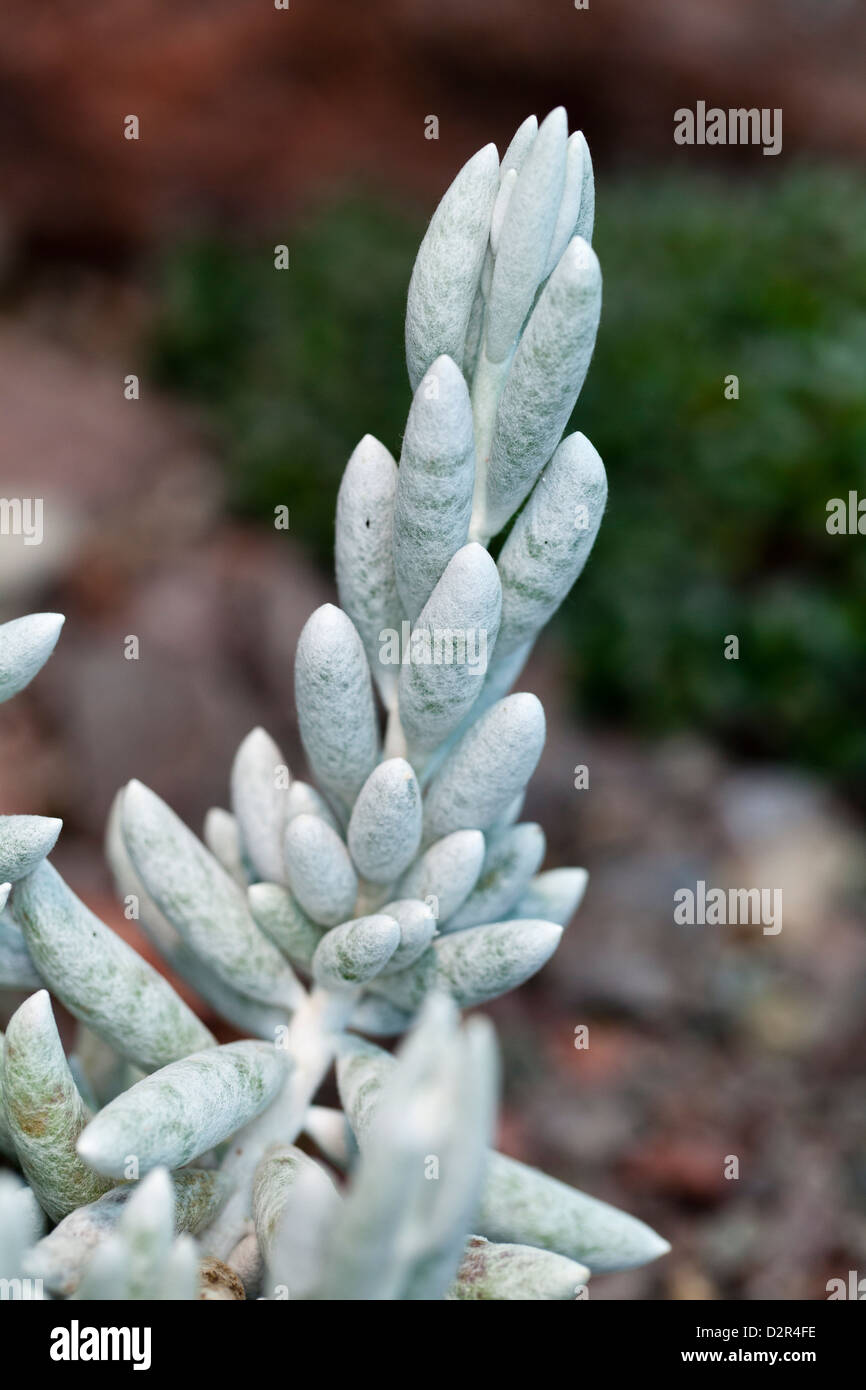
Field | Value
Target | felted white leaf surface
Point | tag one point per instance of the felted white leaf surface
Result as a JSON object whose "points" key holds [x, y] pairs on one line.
{"points": [[185, 1108], [550, 542], [319, 870], [485, 771], [453, 638], [521, 143], [385, 825], [556, 895], [435, 483], [334, 699], [545, 379], [490, 1271], [260, 787], [448, 264], [99, 978], [25, 646], [364, 555], [445, 874], [355, 952], [206, 906], [569, 206], [44, 1110], [524, 241], [474, 966], [513, 856], [24, 841]]}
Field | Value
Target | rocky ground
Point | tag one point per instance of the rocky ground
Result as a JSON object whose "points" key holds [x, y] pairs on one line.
{"points": [[706, 1043]]}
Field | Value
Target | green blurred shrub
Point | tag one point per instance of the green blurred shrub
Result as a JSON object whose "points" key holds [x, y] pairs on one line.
{"points": [[294, 366], [717, 511]]}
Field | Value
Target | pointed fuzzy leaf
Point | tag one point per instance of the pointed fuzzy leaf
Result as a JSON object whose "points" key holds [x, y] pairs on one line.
{"points": [[277, 1176], [400, 1236], [448, 264], [334, 699], [521, 143], [108, 1273], [586, 215], [183, 1109], [521, 1204], [462, 1153], [146, 1229], [500, 207], [473, 335], [135, 1261], [61, 1257], [100, 979], [179, 1278], [546, 376], [285, 923], [512, 857], [446, 873], [485, 771], [417, 923], [24, 842], [362, 1071], [569, 207], [44, 1110], [555, 896], [222, 838], [17, 970], [296, 1221], [550, 542], [311, 1038], [319, 870], [434, 484], [502, 673], [385, 826], [199, 898], [20, 1224], [304, 800], [515, 1273], [248, 1015], [354, 953], [260, 786], [452, 638], [25, 646], [524, 241], [474, 966], [364, 553]]}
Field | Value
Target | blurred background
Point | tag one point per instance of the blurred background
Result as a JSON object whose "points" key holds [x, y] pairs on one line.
{"points": [[155, 258]]}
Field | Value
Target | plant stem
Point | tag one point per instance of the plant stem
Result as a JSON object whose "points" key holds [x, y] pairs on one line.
{"points": [[310, 1042], [395, 739]]}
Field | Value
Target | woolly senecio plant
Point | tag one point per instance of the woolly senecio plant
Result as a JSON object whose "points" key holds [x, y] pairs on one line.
{"points": [[398, 883]]}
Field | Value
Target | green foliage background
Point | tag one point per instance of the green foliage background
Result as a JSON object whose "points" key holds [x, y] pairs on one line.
{"points": [[717, 511]]}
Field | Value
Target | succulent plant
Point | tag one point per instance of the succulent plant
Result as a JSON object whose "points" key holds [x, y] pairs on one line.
{"points": [[394, 888]]}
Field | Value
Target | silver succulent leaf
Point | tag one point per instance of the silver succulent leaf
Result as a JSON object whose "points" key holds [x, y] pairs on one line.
{"points": [[398, 881], [25, 646]]}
